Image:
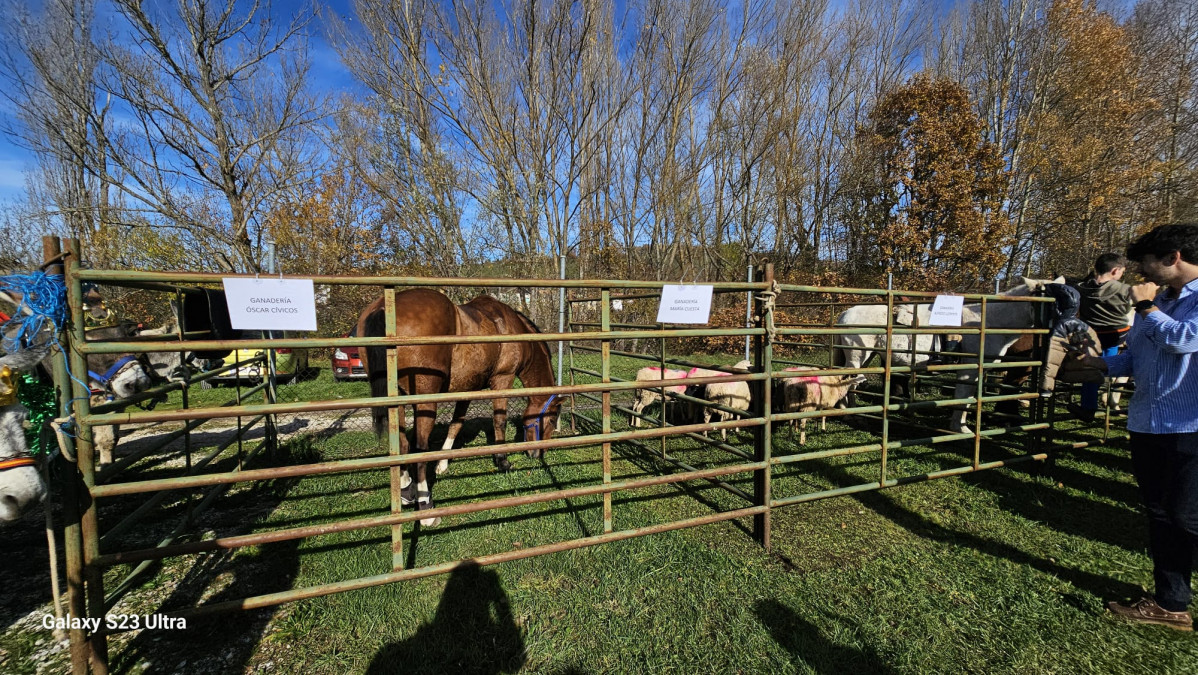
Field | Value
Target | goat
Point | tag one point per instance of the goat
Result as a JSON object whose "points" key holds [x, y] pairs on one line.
{"points": [[814, 392]]}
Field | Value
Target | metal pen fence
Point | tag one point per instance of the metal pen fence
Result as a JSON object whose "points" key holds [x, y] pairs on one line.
{"points": [[594, 395]]}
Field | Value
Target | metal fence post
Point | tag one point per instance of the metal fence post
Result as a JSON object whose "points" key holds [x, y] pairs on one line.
{"points": [[70, 484], [272, 387], [887, 375], [395, 433], [981, 390], [605, 354], [561, 328], [748, 310], [764, 440], [85, 453]]}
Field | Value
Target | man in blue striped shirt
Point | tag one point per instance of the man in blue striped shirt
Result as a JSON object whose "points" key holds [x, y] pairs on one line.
{"points": [[1162, 356]]}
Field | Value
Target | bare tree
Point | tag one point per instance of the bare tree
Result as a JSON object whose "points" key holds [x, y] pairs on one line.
{"points": [[220, 119], [1166, 36], [877, 44], [396, 139], [49, 64]]}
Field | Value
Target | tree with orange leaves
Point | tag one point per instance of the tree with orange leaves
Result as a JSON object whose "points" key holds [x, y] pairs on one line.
{"points": [[925, 191], [1084, 164]]}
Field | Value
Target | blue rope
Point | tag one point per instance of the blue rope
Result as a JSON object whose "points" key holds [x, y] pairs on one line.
{"points": [[45, 296]]}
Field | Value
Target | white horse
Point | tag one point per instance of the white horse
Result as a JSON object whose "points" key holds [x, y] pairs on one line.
{"points": [[21, 486], [998, 315]]}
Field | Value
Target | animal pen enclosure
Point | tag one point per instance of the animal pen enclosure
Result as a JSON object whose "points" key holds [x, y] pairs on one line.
{"points": [[756, 466]]}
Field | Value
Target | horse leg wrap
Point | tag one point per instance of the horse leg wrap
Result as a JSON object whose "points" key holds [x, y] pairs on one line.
{"points": [[424, 500], [407, 493]]}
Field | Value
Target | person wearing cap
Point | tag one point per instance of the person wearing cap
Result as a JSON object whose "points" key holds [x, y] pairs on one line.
{"points": [[1105, 305]]}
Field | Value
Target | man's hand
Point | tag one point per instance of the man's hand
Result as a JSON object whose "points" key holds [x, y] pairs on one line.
{"points": [[1144, 291]]}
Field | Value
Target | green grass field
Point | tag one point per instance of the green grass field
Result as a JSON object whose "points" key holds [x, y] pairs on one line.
{"points": [[1005, 571]]}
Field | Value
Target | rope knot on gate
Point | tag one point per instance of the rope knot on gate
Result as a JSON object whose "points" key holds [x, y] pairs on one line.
{"points": [[767, 298]]}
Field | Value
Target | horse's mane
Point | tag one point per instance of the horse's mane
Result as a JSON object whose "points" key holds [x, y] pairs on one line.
{"points": [[1020, 291], [528, 323], [532, 328]]}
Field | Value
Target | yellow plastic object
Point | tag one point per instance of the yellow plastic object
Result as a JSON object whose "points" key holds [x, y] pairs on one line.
{"points": [[8, 386]]}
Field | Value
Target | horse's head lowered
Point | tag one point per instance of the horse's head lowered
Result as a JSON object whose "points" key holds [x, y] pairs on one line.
{"points": [[540, 419]]}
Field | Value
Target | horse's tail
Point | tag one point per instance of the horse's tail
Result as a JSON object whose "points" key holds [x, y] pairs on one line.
{"points": [[376, 366]]}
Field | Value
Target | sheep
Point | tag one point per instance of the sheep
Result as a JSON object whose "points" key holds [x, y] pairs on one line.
{"points": [[729, 394], [645, 397], [814, 392]]}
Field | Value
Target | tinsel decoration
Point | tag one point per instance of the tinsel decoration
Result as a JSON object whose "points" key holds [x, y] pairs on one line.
{"points": [[38, 397]]}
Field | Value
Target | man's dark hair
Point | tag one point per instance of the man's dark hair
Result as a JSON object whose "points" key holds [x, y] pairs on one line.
{"points": [[1107, 262], [1163, 240]]}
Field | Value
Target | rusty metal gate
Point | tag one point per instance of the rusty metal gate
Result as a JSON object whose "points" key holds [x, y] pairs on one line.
{"points": [[594, 395]]}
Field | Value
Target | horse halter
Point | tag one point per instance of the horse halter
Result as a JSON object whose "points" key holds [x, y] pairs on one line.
{"points": [[105, 380], [536, 424]]}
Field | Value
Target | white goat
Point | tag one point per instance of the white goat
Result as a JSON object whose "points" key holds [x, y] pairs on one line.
{"points": [[815, 392], [728, 394], [644, 397]]}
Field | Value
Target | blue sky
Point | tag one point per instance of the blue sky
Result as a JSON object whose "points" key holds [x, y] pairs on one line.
{"points": [[327, 75]]}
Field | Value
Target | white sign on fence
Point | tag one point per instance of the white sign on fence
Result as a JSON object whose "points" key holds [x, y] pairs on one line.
{"points": [[270, 304], [946, 310], [684, 304]]}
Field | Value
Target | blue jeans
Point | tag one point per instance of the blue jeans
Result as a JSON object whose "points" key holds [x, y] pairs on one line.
{"points": [[1166, 469], [1089, 394]]}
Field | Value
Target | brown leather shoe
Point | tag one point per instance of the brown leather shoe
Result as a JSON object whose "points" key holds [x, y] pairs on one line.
{"points": [[1145, 610]]}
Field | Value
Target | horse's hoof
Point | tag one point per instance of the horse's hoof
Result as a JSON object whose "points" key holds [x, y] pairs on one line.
{"points": [[442, 466], [535, 453], [424, 502], [503, 464]]}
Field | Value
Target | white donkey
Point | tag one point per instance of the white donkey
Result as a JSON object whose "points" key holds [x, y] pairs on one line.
{"points": [[21, 486]]}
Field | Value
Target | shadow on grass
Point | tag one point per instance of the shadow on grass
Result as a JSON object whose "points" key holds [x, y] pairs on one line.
{"points": [[1073, 515], [886, 506], [652, 465], [473, 631], [226, 642], [219, 644], [1077, 478], [806, 642]]}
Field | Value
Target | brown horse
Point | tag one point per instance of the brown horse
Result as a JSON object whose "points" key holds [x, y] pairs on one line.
{"points": [[429, 369]]}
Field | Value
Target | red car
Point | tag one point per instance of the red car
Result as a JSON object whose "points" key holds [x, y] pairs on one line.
{"points": [[347, 363]]}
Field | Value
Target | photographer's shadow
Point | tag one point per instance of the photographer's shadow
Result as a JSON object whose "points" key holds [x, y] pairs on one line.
{"points": [[473, 631]]}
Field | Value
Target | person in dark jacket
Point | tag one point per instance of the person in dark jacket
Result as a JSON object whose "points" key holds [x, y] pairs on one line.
{"points": [[1106, 307]]}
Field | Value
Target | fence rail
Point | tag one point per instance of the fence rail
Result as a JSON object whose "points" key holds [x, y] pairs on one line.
{"points": [[592, 413]]}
